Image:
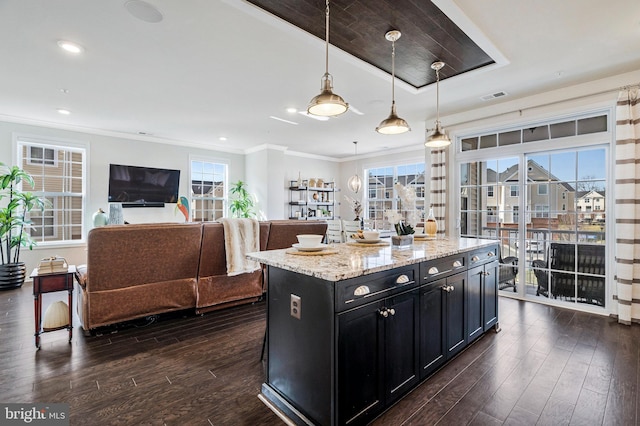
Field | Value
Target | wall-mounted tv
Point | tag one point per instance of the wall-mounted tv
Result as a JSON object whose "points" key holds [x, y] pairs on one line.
{"points": [[142, 186]]}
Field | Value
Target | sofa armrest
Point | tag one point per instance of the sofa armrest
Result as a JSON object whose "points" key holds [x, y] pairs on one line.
{"points": [[81, 276]]}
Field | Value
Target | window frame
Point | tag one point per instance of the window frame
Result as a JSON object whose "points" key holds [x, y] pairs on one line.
{"points": [[194, 199], [20, 140]]}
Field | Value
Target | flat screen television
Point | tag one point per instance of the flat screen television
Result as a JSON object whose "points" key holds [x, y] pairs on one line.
{"points": [[142, 186]]}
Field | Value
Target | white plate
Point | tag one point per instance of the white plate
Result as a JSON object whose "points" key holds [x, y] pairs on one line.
{"points": [[363, 241], [319, 247]]}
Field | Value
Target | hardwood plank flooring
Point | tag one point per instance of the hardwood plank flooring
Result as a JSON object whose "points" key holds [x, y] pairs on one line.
{"points": [[548, 366]]}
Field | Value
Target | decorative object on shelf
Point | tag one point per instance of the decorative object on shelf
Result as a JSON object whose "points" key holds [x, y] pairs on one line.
{"points": [[327, 103], [299, 182], [355, 183], [12, 222], [183, 206], [356, 206], [315, 196], [319, 183], [312, 183], [438, 138], [393, 125], [431, 225], [242, 203], [100, 218]]}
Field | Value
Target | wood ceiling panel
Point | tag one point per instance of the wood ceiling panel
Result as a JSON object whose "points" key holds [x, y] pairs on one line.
{"points": [[358, 27]]}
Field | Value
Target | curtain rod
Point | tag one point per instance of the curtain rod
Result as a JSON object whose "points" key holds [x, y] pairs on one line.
{"points": [[626, 87]]}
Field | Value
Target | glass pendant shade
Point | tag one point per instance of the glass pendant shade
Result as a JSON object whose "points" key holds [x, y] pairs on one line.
{"points": [[393, 125], [438, 138], [354, 183], [327, 103]]}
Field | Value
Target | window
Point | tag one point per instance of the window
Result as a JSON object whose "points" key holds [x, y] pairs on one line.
{"points": [[42, 155], [561, 194], [490, 191], [543, 189], [208, 190], [59, 173], [382, 195]]}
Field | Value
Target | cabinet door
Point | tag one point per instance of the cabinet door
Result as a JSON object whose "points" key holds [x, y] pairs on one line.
{"points": [[490, 295], [475, 318], [432, 331], [360, 367], [402, 369], [456, 317]]}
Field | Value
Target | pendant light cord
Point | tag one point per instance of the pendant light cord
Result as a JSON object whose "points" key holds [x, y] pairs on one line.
{"points": [[437, 96], [393, 71], [326, 37]]}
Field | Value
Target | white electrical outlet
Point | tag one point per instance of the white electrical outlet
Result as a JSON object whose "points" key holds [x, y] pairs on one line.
{"points": [[296, 306]]}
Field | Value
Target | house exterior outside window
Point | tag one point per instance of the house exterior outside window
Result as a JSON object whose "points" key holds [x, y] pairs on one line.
{"points": [[208, 190], [59, 174]]}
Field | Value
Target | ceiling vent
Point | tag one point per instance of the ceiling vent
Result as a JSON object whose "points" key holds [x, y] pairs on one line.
{"points": [[493, 96]]}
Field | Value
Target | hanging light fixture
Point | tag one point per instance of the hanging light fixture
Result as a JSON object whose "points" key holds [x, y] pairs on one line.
{"points": [[355, 183], [327, 103], [393, 125], [438, 138]]}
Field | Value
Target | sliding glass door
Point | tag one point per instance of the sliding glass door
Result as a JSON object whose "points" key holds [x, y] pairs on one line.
{"points": [[548, 210]]}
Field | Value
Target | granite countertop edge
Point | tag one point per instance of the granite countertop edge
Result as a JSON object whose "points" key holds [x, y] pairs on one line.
{"points": [[341, 268]]}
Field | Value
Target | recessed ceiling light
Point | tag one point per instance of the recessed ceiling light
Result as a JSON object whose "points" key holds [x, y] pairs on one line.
{"points": [[292, 110], [63, 111], [70, 47], [283, 120], [65, 91], [222, 138]]}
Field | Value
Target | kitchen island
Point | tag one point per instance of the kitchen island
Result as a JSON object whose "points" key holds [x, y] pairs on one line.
{"points": [[350, 333]]}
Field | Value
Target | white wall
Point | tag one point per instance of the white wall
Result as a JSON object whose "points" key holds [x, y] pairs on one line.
{"points": [[102, 151]]}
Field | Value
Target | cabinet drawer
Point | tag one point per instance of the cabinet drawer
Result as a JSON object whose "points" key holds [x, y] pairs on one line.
{"points": [[357, 291], [479, 257], [439, 268]]}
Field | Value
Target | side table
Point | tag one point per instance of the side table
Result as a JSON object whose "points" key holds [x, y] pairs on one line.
{"points": [[48, 283]]}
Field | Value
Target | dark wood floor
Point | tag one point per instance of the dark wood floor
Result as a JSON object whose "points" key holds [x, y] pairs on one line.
{"points": [[548, 366]]}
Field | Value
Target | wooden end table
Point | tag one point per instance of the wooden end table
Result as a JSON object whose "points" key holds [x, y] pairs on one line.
{"points": [[48, 283]]}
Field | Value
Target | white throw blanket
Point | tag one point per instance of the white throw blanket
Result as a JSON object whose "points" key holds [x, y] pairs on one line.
{"points": [[241, 236]]}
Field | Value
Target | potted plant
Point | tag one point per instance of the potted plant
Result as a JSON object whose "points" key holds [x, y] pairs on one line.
{"points": [[242, 202], [15, 206]]}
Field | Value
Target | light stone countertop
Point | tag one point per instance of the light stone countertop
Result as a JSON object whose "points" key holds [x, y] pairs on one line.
{"points": [[352, 261]]}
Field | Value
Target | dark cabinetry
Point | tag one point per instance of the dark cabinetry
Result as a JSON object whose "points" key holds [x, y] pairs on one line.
{"points": [[442, 312], [482, 294], [377, 356], [352, 348]]}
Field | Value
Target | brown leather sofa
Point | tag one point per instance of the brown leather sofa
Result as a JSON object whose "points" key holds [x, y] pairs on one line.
{"points": [[134, 271]]}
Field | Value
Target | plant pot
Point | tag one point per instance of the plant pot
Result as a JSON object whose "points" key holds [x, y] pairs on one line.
{"points": [[12, 275], [401, 240]]}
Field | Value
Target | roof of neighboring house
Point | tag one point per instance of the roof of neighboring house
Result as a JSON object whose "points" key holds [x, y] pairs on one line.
{"points": [[535, 173]]}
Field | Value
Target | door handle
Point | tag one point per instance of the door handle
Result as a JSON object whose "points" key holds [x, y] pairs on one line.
{"points": [[384, 312]]}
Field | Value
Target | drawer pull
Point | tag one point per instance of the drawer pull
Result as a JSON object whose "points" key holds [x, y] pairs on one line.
{"points": [[384, 312], [457, 264], [490, 254], [392, 311], [475, 258], [433, 270], [402, 279], [361, 291]]}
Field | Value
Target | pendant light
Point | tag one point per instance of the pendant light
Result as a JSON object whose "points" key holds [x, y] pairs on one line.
{"points": [[393, 125], [327, 103], [438, 138], [355, 183]]}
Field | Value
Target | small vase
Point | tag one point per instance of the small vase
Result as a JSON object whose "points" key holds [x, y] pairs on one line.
{"points": [[431, 225], [401, 240], [100, 218]]}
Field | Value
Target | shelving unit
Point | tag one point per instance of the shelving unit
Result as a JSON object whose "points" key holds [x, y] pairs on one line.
{"points": [[311, 203]]}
